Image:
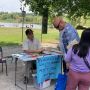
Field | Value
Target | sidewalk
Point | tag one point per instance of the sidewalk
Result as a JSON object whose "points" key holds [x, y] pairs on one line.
{"points": [[8, 82]]}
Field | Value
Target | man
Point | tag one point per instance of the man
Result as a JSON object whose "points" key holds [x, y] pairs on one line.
{"points": [[30, 46], [68, 35]]}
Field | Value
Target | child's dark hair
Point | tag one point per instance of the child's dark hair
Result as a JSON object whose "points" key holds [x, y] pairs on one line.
{"points": [[28, 32], [82, 49]]}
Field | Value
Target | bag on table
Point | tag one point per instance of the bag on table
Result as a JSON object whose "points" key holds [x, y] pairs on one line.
{"points": [[61, 82]]}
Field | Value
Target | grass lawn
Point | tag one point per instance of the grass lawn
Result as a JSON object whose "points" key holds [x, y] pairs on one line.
{"points": [[12, 36]]}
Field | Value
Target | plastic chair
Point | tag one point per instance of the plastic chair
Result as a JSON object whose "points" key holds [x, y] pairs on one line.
{"points": [[3, 60]]}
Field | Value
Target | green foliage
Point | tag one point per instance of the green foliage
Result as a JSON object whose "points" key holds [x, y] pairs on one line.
{"points": [[37, 6], [17, 18], [41, 7], [73, 9]]}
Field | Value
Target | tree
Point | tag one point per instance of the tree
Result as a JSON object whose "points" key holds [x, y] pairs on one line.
{"points": [[43, 8], [72, 8], [40, 7]]}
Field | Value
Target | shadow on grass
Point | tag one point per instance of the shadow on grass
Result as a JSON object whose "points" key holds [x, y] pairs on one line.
{"points": [[9, 44]]}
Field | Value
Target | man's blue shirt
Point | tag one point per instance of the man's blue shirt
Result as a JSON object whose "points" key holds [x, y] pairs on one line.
{"points": [[67, 35]]}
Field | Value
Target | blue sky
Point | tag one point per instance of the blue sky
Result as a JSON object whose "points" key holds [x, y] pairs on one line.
{"points": [[10, 6]]}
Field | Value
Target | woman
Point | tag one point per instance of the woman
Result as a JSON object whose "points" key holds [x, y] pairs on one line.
{"points": [[79, 71]]}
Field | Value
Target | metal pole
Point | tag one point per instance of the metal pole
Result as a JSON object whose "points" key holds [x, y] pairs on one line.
{"points": [[23, 17], [15, 69], [41, 36], [22, 27]]}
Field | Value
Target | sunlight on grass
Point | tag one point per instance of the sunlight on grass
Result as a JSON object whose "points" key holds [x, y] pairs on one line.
{"points": [[14, 35]]}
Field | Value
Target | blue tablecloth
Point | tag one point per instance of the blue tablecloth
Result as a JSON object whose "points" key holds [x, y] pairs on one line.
{"points": [[48, 67]]}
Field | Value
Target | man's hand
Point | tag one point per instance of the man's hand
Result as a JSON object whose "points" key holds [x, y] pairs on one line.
{"points": [[72, 43], [40, 50]]}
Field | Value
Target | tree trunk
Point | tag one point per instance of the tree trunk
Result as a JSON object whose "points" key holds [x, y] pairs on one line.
{"points": [[45, 21]]}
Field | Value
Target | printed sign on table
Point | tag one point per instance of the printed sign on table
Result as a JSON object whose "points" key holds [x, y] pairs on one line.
{"points": [[48, 67]]}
